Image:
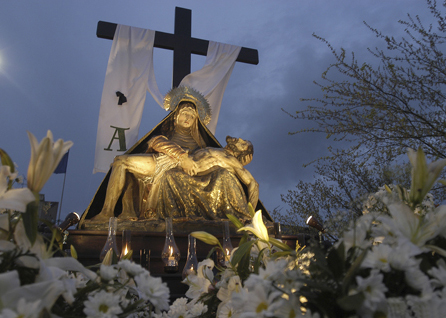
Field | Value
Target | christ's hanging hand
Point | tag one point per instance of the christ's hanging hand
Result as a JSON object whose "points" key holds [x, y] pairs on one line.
{"points": [[189, 166]]}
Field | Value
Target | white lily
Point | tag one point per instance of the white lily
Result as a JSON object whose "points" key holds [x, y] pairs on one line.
{"points": [[8, 281], [39, 248], [205, 268], [417, 229], [197, 286], [13, 199], [423, 175], [24, 309], [6, 246], [47, 292], [70, 264], [234, 286], [258, 228], [45, 156]]}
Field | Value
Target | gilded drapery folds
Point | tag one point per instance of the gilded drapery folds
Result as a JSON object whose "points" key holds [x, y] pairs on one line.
{"points": [[178, 170], [210, 196]]}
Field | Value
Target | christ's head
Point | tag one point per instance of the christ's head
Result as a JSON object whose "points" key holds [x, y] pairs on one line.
{"points": [[242, 149]]}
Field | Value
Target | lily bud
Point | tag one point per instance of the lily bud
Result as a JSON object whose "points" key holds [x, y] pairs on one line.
{"points": [[258, 228], [45, 156], [423, 175], [205, 237]]}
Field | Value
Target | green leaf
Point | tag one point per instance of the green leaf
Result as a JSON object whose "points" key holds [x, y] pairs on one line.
{"points": [[336, 262], [108, 259], [243, 249], [234, 220], [44, 314], [244, 238], [436, 249], [243, 268], [258, 261], [73, 252], [279, 244], [128, 256], [352, 271], [379, 314], [251, 210], [56, 233], [351, 302], [283, 254], [114, 257], [211, 251], [30, 218], [6, 160]]}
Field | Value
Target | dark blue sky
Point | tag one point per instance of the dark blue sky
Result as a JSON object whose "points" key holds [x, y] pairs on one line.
{"points": [[53, 66]]}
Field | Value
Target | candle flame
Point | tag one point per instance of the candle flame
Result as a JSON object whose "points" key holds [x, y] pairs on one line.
{"points": [[171, 250], [228, 254]]}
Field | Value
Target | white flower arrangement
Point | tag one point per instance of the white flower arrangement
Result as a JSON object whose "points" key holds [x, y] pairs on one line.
{"points": [[390, 263], [34, 283]]}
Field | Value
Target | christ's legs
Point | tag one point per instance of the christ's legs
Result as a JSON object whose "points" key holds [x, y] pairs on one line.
{"points": [[141, 164]]}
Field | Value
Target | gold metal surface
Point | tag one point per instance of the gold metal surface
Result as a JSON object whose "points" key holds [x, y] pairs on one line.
{"points": [[180, 175], [184, 93]]}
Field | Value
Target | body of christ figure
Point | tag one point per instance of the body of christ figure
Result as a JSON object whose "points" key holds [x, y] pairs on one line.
{"points": [[183, 175]]}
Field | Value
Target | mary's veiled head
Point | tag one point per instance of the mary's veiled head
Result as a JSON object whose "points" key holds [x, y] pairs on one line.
{"points": [[178, 95], [190, 114]]}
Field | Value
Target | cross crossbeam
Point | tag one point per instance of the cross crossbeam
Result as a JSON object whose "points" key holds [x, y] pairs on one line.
{"points": [[181, 42]]}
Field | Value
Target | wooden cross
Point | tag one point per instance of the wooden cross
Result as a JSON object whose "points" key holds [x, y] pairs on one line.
{"points": [[181, 42]]}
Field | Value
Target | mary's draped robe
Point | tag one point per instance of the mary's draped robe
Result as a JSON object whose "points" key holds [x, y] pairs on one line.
{"points": [[210, 195]]}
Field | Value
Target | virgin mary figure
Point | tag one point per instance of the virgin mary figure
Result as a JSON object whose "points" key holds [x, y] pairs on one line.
{"points": [[168, 173]]}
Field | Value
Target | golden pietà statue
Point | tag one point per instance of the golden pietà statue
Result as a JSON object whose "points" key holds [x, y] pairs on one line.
{"points": [[178, 170]]}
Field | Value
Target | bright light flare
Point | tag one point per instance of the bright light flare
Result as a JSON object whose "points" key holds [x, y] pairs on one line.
{"points": [[308, 220]]}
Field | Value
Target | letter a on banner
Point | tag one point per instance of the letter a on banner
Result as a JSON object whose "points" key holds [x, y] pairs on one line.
{"points": [[130, 66]]}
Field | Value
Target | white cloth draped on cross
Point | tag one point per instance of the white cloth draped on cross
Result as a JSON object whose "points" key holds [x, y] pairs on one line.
{"points": [[130, 73]]}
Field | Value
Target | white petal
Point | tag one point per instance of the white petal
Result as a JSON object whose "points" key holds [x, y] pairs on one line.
{"points": [[4, 221], [250, 229], [34, 144], [8, 281], [70, 264], [434, 170], [20, 236], [49, 135], [406, 221], [4, 174], [44, 159], [34, 148], [16, 199], [258, 224], [6, 246], [42, 166], [412, 154], [47, 292]]}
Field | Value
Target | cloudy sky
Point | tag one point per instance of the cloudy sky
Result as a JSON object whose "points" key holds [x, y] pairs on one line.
{"points": [[53, 66]]}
